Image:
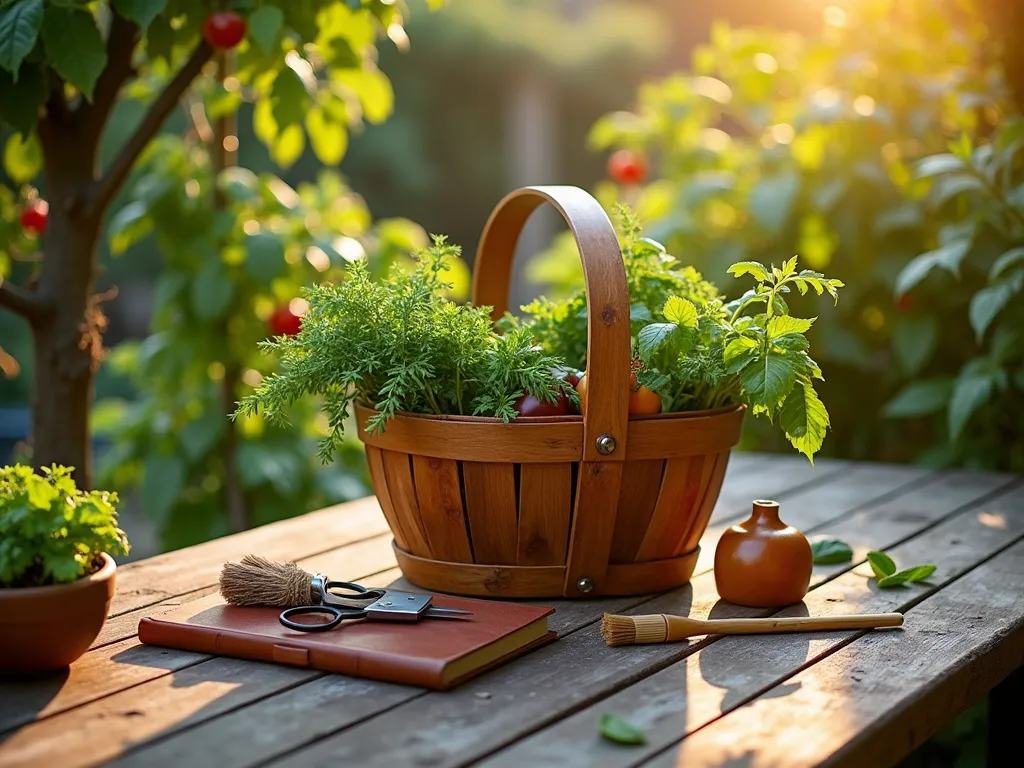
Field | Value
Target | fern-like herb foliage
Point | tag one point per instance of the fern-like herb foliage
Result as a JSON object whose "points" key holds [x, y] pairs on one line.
{"points": [[402, 345], [50, 531]]}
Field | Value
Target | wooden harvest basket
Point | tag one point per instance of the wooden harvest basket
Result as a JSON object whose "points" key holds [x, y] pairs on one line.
{"points": [[541, 507]]}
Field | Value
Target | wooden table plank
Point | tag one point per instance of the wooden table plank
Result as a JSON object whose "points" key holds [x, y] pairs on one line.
{"points": [[188, 719], [149, 581], [879, 697], [556, 681], [113, 667], [724, 673]]}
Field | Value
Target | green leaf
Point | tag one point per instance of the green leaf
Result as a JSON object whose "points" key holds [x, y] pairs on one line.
{"points": [[19, 27], [831, 551], [936, 165], [767, 380], [265, 259], [947, 256], [914, 338], [681, 312], [772, 198], [162, 482], [211, 291], [971, 390], [738, 353], [74, 47], [917, 573], [287, 147], [759, 272], [804, 419], [986, 304], [142, 12], [328, 138], [1008, 259], [920, 398], [21, 100], [651, 336], [128, 226], [783, 324], [881, 564], [289, 98], [639, 313], [620, 730], [264, 24], [792, 342], [198, 437], [23, 158], [372, 88]]}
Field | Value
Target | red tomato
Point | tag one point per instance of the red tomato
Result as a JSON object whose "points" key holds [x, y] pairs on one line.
{"points": [[627, 167], [33, 217], [284, 322], [643, 401], [224, 29], [528, 405]]}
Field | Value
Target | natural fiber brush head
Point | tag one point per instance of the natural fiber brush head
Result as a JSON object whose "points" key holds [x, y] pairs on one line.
{"points": [[633, 630], [258, 581]]}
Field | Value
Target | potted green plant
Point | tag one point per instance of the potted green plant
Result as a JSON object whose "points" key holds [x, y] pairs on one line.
{"points": [[56, 567]]}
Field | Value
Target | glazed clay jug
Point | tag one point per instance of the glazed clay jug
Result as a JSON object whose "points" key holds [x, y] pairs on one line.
{"points": [[762, 562]]}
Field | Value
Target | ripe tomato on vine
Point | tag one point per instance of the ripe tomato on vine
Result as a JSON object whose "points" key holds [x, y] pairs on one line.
{"points": [[224, 29], [284, 322], [33, 217], [627, 167]]}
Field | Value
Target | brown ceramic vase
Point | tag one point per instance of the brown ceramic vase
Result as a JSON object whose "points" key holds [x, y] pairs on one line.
{"points": [[762, 562], [44, 629]]}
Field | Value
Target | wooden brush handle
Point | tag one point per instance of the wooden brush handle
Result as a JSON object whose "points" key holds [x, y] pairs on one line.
{"points": [[680, 627]]}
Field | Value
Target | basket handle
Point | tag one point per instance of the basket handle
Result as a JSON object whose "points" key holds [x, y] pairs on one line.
{"points": [[607, 301]]}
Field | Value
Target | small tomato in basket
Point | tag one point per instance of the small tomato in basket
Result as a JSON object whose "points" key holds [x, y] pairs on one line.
{"points": [[529, 405], [644, 401], [627, 167], [581, 390]]}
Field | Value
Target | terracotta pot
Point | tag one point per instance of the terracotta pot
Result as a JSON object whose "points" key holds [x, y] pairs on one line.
{"points": [[762, 562], [47, 628]]}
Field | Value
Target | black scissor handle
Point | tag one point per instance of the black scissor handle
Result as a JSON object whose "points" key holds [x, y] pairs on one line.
{"points": [[361, 596], [338, 615]]}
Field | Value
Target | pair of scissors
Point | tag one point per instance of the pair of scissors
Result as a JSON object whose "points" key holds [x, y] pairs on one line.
{"points": [[358, 602]]}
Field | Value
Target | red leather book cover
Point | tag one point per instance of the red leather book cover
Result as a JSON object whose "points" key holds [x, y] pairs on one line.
{"points": [[432, 653]]}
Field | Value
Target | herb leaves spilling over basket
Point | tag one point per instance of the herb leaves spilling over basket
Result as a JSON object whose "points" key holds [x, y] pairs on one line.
{"points": [[403, 345]]}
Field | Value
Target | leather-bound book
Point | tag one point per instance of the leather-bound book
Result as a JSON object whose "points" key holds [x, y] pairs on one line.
{"points": [[432, 653]]}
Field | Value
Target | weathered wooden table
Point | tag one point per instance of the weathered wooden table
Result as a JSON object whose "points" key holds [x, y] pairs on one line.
{"points": [[846, 698]]}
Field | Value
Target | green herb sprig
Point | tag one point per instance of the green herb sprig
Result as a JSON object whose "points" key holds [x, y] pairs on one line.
{"points": [[402, 345], [50, 531], [620, 730]]}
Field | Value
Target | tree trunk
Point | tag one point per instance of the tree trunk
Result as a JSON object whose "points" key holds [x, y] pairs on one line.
{"points": [[67, 341]]}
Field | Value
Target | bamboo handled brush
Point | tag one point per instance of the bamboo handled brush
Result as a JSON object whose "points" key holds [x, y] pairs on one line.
{"points": [[662, 628]]}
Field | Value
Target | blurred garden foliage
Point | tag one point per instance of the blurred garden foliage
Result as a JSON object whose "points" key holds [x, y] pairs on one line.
{"points": [[889, 151]]}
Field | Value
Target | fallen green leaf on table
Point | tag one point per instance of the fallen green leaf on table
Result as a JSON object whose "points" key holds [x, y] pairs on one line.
{"points": [[831, 551], [888, 576], [881, 564], [917, 573], [620, 730]]}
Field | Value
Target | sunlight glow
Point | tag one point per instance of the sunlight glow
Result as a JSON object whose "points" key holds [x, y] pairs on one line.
{"points": [[712, 88], [765, 62], [783, 133], [252, 377], [992, 520], [834, 16], [251, 227], [864, 105], [298, 307], [192, 188], [349, 248], [318, 258], [231, 143]]}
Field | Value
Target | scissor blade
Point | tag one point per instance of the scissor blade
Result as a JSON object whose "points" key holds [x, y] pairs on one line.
{"points": [[437, 612]]}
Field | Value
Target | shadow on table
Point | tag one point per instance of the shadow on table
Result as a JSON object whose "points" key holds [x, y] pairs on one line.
{"points": [[23, 699], [718, 662]]}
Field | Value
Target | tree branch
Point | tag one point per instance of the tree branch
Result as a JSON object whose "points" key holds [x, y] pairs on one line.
{"points": [[28, 304], [103, 191], [120, 48]]}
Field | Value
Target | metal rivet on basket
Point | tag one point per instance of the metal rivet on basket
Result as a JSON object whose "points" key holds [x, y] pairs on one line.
{"points": [[605, 444], [585, 585]]}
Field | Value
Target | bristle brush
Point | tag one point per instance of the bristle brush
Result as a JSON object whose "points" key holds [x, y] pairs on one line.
{"points": [[258, 581], [663, 628]]}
